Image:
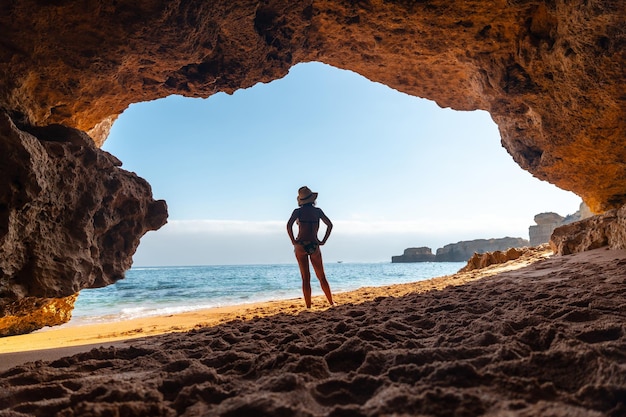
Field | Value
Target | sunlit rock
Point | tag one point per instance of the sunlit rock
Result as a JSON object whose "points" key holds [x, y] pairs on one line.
{"points": [[421, 254], [32, 313], [547, 222]]}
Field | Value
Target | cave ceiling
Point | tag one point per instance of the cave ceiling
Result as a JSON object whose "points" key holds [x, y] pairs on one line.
{"points": [[551, 73]]}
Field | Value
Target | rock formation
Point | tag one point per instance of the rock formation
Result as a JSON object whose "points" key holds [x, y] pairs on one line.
{"points": [[607, 229], [422, 254], [550, 73], [464, 250], [460, 251], [70, 219], [547, 222], [483, 260]]}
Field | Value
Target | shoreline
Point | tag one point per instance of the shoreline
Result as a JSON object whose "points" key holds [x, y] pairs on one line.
{"points": [[540, 335], [56, 342]]}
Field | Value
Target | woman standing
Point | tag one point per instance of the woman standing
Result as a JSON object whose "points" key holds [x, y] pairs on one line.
{"points": [[307, 245]]}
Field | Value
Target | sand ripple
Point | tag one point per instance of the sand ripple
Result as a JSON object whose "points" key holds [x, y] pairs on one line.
{"points": [[548, 339]]}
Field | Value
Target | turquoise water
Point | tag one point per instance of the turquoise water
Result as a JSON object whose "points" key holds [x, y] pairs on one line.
{"points": [[152, 291]]}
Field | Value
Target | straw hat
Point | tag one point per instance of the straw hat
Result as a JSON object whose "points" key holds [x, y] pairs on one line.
{"points": [[305, 195]]}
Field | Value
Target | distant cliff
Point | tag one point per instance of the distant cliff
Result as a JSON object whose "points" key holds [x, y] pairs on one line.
{"points": [[547, 222], [423, 254], [460, 251]]}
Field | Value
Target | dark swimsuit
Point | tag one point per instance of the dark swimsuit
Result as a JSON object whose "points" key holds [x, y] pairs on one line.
{"points": [[309, 246]]}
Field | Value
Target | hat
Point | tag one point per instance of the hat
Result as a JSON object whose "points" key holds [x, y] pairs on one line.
{"points": [[305, 195]]}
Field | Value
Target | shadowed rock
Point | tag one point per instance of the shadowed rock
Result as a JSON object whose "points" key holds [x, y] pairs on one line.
{"points": [[70, 218]]}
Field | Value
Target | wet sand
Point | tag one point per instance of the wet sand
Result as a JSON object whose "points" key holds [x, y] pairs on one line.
{"points": [[537, 336]]}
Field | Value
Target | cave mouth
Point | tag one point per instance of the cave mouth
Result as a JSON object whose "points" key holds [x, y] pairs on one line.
{"points": [[380, 159]]}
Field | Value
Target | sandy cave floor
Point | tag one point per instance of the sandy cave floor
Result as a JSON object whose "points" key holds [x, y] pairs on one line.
{"points": [[546, 339]]}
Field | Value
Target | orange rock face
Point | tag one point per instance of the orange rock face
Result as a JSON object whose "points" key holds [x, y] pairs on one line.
{"points": [[483, 260], [551, 73], [32, 313]]}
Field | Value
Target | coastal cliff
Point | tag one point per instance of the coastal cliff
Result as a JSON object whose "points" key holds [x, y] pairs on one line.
{"points": [[546, 223], [460, 251], [549, 73], [422, 254]]}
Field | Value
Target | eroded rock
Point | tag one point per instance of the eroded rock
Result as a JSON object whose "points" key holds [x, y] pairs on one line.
{"points": [[421, 254], [33, 313], [483, 260], [550, 73], [464, 250], [70, 218], [607, 229]]}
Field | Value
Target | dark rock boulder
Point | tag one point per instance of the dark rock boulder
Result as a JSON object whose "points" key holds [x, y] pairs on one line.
{"points": [[70, 218]]}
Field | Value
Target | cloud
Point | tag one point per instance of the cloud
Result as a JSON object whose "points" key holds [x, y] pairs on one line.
{"points": [[226, 242]]}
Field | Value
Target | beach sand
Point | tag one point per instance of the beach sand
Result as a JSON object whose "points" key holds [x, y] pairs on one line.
{"points": [[540, 335]]}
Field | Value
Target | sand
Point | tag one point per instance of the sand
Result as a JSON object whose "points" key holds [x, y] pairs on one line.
{"points": [[538, 336]]}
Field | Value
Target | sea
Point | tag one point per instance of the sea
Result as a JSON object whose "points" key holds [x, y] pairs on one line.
{"points": [[154, 291]]}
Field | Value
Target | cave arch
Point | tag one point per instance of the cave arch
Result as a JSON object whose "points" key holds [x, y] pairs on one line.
{"points": [[550, 74], [375, 154]]}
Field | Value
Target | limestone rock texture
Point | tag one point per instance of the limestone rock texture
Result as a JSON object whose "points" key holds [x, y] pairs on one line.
{"points": [[551, 74], [421, 254], [70, 218], [604, 230], [483, 260]]}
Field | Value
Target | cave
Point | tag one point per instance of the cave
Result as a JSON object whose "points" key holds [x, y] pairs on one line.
{"points": [[550, 73]]}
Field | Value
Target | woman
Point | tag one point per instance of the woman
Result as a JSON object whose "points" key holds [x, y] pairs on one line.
{"points": [[306, 244]]}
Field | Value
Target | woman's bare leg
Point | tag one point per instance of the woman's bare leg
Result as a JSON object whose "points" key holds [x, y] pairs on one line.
{"points": [[318, 266], [305, 272]]}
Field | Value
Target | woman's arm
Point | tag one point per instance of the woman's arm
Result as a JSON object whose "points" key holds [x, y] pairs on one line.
{"points": [[292, 220], [329, 226]]}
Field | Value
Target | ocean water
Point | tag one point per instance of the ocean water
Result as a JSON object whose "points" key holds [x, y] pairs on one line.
{"points": [[152, 291]]}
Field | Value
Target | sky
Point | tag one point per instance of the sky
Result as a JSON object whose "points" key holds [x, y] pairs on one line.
{"points": [[392, 171]]}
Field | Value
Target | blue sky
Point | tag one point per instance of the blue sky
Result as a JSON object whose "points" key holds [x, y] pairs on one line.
{"points": [[392, 171]]}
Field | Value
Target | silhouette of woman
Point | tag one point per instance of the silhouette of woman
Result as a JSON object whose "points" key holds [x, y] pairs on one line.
{"points": [[307, 245]]}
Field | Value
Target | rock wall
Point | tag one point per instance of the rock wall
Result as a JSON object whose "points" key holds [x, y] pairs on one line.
{"points": [[70, 218], [546, 223], [551, 73], [483, 260], [607, 229]]}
